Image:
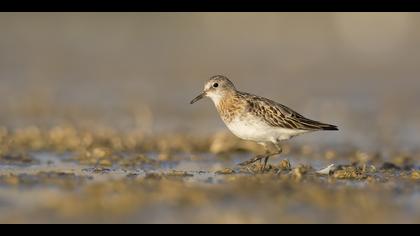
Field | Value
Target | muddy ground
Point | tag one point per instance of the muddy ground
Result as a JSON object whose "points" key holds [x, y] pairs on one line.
{"points": [[70, 175]]}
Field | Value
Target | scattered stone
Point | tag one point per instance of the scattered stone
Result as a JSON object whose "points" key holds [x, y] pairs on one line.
{"points": [[405, 161], [285, 165], [154, 176], [415, 175], [97, 170], [16, 159], [132, 175], [226, 171], [390, 166], [177, 173], [301, 171], [349, 172]]}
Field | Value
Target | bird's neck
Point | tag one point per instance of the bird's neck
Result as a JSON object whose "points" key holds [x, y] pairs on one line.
{"points": [[221, 98]]}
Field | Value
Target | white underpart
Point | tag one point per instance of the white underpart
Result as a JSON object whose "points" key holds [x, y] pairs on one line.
{"points": [[255, 129]]}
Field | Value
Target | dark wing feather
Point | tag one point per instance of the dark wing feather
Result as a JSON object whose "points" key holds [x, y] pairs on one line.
{"points": [[278, 115]]}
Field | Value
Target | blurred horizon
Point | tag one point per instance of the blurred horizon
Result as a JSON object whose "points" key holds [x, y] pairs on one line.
{"points": [[140, 70]]}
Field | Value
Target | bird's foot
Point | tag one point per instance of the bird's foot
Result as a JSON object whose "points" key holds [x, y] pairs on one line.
{"points": [[261, 167], [253, 160]]}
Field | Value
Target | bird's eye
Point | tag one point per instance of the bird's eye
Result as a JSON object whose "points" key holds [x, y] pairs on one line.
{"points": [[215, 85]]}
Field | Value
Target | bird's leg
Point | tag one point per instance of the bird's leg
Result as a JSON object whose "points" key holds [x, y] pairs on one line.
{"points": [[279, 151], [265, 163], [253, 160], [266, 156], [256, 158]]}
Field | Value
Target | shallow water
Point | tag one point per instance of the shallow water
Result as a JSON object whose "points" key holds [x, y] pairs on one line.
{"points": [[189, 189]]}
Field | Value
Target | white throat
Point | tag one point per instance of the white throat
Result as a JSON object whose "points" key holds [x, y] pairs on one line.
{"points": [[216, 98]]}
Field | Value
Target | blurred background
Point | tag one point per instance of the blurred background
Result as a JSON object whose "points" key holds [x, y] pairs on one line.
{"points": [[129, 71]]}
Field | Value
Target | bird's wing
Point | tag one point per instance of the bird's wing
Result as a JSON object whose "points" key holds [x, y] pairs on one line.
{"points": [[278, 115]]}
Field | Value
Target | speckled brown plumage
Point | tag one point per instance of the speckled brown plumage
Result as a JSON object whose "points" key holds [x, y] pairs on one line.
{"points": [[278, 115], [274, 114], [231, 107]]}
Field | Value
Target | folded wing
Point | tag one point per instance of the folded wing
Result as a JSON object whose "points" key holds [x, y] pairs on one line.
{"points": [[278, 115]]}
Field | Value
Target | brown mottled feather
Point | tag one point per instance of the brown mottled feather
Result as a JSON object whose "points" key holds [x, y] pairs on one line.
{"points": [[229, 107], [275, 114]]}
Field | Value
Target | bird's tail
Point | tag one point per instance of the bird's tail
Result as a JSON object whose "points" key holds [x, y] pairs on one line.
{"points": [[316, 125], [329, 127]]}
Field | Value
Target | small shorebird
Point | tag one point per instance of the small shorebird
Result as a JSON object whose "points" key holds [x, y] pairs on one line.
{"points": [[255, 118]]}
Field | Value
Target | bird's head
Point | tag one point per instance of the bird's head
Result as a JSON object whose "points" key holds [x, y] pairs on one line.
{"points": [[216, 88]]}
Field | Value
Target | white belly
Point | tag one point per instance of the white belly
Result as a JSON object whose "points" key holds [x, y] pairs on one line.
{"points": [[259, 131]]}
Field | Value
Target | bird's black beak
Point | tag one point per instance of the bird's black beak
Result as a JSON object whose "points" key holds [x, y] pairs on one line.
{"points": [[198, 97]]}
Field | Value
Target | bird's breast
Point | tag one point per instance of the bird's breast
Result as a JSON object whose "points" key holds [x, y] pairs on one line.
{"points": [[230, 109]]}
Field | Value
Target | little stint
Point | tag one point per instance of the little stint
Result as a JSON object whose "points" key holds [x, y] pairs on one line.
{"points": [[256, 118]]}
